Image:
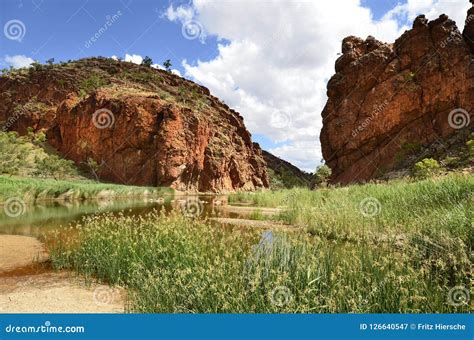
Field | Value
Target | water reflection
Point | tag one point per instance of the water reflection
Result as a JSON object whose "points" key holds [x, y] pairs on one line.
{"points": [[40, 218]]}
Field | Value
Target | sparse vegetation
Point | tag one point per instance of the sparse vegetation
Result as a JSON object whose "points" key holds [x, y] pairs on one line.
{"points": [[147, 61], [93, 167], [425, 168], [91, 84], [33, 105], [167, 65]]}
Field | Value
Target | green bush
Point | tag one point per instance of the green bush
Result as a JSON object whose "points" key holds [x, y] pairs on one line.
{"points": [[147, 61], [470, 147], [54, 166], [322, 175], [167, 64], [13, 153], [425, 168], [90, 84]]}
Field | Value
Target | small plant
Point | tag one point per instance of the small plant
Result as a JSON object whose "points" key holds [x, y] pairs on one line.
{"points": [[257, 215], [50, 62], [322, 175], [470, 147], [425, 168], [61, 83], [410, 76], [167, 64], [93, 167], [450, 161], [147, 61], [407, 149], [411, 148]]}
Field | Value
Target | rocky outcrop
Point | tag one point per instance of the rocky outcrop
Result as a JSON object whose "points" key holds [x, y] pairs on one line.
{"points": [[141, 125], [384, 97]]}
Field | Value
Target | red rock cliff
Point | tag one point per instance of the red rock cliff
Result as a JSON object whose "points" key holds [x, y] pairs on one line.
{"points": [[144, 126], [384, 96]]}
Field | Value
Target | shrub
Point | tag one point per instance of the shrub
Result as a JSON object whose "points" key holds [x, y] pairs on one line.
{"points": [[90, 84], [167, 64], [35, 137], [470, 147], [425, 168], [147, 61], [54, 166], [322, 175], [13, 153], [93, 167]]}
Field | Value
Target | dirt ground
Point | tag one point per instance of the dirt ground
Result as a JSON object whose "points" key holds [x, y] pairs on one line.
{"points": [[19, 251], [28, 285]]}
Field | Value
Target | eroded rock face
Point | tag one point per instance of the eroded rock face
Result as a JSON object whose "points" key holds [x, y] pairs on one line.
{"points": [[160, 131], [386, 96]]}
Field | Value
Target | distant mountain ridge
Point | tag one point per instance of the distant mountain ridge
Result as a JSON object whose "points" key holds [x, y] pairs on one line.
{"points": [[285, 174]]}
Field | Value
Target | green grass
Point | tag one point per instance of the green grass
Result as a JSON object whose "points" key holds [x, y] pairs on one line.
{"points": [[405, 258], [265, 198], [257, 215], [31, 189]]}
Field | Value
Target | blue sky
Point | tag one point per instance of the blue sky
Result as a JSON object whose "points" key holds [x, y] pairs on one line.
{"points": [[61, 29]]}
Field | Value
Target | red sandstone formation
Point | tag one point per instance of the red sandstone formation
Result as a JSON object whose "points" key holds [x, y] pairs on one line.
{"points": [[144, 126], [386, 96]]}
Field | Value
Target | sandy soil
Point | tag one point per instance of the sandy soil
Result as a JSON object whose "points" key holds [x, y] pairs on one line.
{"points": [[251, 209], [27, 286], [19, 251]]}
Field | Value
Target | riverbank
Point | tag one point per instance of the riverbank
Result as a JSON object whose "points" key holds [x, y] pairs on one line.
{"points": [[35, 189], [399, 247], [29, 285]]}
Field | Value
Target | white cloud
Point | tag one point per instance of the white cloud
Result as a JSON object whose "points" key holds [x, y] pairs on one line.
{"points": [[137, 59], [275, 58], [134, 58], [300, 153], [18, 61], [175, 71], [157, 66], [455, 9], [181, 13]]}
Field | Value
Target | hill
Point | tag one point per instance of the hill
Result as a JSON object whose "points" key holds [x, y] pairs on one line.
{"points": [[141, 125], [283, 174]]}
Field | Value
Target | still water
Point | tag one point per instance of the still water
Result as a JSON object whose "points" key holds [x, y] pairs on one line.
{"points": [[34, 220]]}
